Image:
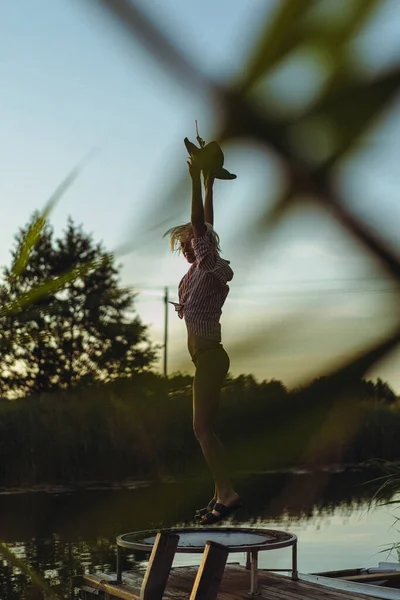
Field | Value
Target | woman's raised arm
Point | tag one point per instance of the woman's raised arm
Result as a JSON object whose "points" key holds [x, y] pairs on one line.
{"points": [[208, 203], [197, 213]]}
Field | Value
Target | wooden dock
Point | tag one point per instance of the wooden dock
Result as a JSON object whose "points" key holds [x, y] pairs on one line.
{"points": [[234, 586], [213, 579]]}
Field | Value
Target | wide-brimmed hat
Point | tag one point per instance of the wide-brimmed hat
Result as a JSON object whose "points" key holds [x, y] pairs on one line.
{"points": [[211, 159]]}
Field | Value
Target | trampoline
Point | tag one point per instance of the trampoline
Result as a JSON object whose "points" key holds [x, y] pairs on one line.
{"points": [[192, 540]]}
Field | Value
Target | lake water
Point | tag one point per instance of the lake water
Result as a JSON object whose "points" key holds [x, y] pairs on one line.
{"points": [[59, 533]]}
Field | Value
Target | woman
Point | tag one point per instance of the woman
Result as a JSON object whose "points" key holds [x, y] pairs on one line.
{"points": [[202, 293]]}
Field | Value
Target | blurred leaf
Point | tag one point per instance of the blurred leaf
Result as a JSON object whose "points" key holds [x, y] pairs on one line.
{"points": [[336, 36], [279, 37], [353, 107], [359, 101], [30, 242], [333, 40], [35, 230], [50, 286], [358, 366], [363, 233], [25, 568], [359, 13]]}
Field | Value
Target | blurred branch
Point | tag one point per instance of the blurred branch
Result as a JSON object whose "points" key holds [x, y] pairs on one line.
{"points": [[243, 119], [355, 105], [138, 26], [349, 107]]}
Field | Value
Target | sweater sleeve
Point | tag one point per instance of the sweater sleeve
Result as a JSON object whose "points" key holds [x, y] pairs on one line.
{"points": [[207, 258], [204, 252]]}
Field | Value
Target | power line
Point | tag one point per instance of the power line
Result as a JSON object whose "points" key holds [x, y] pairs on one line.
{"points": [[143, 287], [315, 280], [322, 292], [295, 292], [165, 330]]}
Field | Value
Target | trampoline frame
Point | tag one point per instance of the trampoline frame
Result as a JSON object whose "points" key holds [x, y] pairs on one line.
{"points": [[283, 540]]}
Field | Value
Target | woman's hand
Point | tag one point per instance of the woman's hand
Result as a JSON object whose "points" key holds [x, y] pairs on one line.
{"points": [[194, 167]]}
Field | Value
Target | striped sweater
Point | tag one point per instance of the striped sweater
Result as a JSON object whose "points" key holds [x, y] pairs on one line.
{"points": [[203, 290]]}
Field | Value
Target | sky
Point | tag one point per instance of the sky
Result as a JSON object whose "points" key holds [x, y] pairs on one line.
{"points": [[73, 86]]}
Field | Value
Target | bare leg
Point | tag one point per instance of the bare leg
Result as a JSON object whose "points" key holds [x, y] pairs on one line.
{"points": [[211, 369], [214, 454]]}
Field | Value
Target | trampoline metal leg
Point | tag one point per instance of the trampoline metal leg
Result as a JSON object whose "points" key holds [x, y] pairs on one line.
{"points": [[254, 573], [119, 564], [295, 574], [248, 561]]}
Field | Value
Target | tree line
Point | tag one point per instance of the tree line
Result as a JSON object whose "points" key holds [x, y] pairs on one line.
{"points": [[81, 403], [141, 427]]}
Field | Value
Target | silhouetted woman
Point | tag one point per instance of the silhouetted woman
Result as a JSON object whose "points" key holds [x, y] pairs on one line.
{"points": [[202, 293]]}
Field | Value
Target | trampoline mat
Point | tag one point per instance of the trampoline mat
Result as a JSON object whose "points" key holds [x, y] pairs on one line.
{"points": [[194, 540], [198, 539]]}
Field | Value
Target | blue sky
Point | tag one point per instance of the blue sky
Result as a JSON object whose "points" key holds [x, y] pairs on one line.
{"points": [[73, 83]]}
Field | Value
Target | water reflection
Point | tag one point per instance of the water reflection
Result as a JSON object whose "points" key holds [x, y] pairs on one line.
{"points": [[62, 534]]}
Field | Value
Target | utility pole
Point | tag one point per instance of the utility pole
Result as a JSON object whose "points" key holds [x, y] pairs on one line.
{"points": [[165, 330]]}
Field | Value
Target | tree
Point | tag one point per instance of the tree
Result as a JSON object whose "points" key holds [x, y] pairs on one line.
{"points": [[82, 330], [384, 393]]}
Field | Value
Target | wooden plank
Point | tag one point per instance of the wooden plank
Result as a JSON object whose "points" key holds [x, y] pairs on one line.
{"points": [[273, 586], [159, 566], [235, 585], [209, 574], [312, 591], [101, 582]]}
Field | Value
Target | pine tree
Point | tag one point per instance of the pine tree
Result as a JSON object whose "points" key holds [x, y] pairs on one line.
{"points": [[82, 331]]}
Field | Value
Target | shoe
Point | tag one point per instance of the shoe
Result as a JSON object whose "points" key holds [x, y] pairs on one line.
{"points": [[203, 511], [224, 174], [192, 149], [224, 511], [211, 159]]}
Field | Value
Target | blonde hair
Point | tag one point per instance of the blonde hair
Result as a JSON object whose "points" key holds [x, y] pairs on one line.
{"points": [[181, 232]]}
